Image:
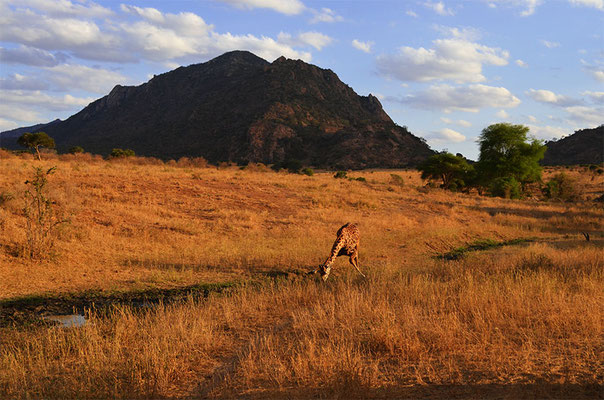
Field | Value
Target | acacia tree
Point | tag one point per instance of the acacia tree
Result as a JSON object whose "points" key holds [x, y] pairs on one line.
{"points": [[506, 154], [36, 140], [452, 170]]}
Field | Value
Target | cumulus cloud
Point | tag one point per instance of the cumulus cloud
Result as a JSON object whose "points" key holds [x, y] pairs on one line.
{"points": [[313, 39], [287, 7], [585, 115], [549, 97], [596, 97], [469, 98], [521, 63], [547, 132], [502, 114], [31, 56], [460, 122], [363, 46], [29, 106], [411, 14], [325, 15], [154, 35], [450, 59], [67, 8], [595, 71], [22, 82], [597, 4], [445, 135], [439, 8], [528, 6]]}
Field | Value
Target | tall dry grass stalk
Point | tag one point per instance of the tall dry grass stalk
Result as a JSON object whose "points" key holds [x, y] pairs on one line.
{"points": [[526, 320]]}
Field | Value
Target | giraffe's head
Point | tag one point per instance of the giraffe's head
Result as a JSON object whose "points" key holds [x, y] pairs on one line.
{"points": [[324, 270]]}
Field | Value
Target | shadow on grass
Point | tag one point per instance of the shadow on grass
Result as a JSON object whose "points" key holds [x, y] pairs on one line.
{"points": [[430, 391], [479, 245], [29, 309]]}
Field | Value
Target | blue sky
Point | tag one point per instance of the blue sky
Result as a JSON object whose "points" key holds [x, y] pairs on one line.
{"points": [[444, 69]]}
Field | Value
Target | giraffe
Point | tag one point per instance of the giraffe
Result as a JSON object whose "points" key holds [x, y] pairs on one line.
{"points": [[346, 244]]}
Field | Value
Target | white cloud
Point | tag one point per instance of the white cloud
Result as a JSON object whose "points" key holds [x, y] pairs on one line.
{"points": [[547, 132], [502, 114], [287, 7], [460, 122], [363, 46], [96, 80], [466, 33], [470, 98], [596, 71], [445, 135], [28, 106], [597, 4], [314, 39], [596, 97], [521, 63], [550, 45], [529, 6], [586, 115], [439, 8], [325, 15], [157, 36], [66, 8], [6, 124], [532, 118], [30, 56], [549, 97], [450, 59], [411, 14], [22, 82]]}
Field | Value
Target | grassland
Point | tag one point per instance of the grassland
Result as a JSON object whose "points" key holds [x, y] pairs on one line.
{"points": [[520, 320]]}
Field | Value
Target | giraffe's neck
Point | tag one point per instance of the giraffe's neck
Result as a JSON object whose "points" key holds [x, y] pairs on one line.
{"points": [[335, 250]]}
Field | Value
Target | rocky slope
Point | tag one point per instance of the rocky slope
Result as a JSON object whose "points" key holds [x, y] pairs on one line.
{"points": [[585, 146], [239, 107]]}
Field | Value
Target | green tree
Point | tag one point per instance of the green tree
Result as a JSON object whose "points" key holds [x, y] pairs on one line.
{"points": [[121, 153], [36, 140], [505, 152], [452, 170]]}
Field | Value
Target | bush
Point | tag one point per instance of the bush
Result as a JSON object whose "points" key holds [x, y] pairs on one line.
{"points": [[42, 218], [506, 187], [75, 150], [561, 187], [396, 179], [340, 175], [308, 171], [120, 153], [359, 179]]}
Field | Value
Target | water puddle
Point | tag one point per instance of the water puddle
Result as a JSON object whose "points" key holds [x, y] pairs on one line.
{"points": [[67, 321]]}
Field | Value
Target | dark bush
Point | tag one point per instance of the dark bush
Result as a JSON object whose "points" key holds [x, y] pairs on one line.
{"points": [[308, 171], [561, 187], [121, 153], [75, 150], [396, 179], [340, 175], [506, 187]]}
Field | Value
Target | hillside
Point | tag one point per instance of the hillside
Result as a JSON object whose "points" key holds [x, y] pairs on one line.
{"points": [[239, 107], [585, 146]]}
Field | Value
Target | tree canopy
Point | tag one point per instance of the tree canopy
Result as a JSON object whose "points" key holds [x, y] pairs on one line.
{"points": [[452, 170], [505, 152], [36, 140]]}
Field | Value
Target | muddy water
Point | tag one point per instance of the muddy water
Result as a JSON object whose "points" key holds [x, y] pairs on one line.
{"points": [[67, 321]]}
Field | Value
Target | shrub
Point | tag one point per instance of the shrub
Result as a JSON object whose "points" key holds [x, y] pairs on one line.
{"points": [[506, 187], [359, 179], [42, 218], [120, 153], [561, 187], [75, 150], [5, 197], [340, 175], [396, 179], [308, 171]]}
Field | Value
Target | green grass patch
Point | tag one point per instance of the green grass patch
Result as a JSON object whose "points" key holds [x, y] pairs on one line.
{"points": [[479, 245]]}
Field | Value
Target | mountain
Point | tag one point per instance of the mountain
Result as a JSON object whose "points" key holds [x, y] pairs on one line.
{"points": [[585, 146], [8, 139], [239, 107]]}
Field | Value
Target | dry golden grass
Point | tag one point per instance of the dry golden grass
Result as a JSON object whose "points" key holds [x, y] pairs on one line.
{"points": [[521, 321]]}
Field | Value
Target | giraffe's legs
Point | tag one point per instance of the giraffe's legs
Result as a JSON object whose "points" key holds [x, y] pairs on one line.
{"points": [[354, 260]]}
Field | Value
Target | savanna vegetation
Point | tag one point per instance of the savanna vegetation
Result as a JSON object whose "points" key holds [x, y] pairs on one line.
{"points": [[518, 312]]}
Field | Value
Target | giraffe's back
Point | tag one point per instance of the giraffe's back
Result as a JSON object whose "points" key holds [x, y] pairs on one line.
{"points": [[349, 235]]}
